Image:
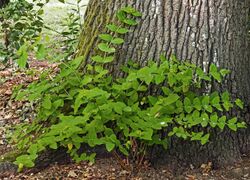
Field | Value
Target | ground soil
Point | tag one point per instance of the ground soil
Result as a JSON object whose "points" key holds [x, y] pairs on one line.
{"points": [[105, 167]]}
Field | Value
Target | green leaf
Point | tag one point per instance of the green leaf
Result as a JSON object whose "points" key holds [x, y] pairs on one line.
{"points": [[123, 150], [201, 74], [62, 1], [100, 59], [225, 96], [152, 100], [159, 79], [226, 101], [222, 122], [213, 120], [197, 103], [144, 74], [23, 56], [22, 60], [206, 105], [241, 125], [232, 121], [218, 107], [213, 71], [224, 72], [109, 146], [106, 37], [205, 139], [127, 109], [20, 167], [131, 77], [227, 105], [172, 98], [196, 136], [121, 15], [53, 145], [33, 149], [75, 63], [137, 14], [133, 98], [128, 9], [118, 107], [239, 103], [196, 114], [171, 79], [166, 91], [117, 41], [87, 79], [171, 133], [78, 102], [105, 48], [204, 119], [232, 124], [188, 105], [47, 102], [130, 22], [122, 30], [114, 28], [215, 102], [147, 135], [40, 54], [40, 12], [179, 106], [26, 160], [205, 101], [97, 58], [208, 108], [180, 132], [232, 127]]}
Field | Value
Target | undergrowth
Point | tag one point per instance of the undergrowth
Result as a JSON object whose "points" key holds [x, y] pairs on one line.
{"points": [[93, 108], [25, 34], [20, 23]]}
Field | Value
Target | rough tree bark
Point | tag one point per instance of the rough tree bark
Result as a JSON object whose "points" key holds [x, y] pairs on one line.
{"points": [[202, 31]]}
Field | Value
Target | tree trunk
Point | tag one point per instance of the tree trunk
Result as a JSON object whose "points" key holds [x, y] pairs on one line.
{"points": [[3, 3], [201, 31]]}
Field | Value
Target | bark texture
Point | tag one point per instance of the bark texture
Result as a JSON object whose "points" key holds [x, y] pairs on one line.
{"points": [[202, 31]]}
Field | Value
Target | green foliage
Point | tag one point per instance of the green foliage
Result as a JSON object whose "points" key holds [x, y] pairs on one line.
{"points": [[20, 23], [59, 44], [93, 108], [22, 32], [71, 28]]}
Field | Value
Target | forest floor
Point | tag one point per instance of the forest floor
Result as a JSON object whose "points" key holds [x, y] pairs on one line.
{"points": [[14, 112]]}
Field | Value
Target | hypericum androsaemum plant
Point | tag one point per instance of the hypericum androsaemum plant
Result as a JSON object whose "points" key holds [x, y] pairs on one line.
{"points": [[93, 108]]}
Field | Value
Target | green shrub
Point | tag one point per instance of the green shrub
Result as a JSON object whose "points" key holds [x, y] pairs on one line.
{"points": [[94, 108], [24, 33], [20, 23]]}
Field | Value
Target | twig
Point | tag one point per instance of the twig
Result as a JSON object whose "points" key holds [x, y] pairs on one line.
{"points": [[127, 168]]}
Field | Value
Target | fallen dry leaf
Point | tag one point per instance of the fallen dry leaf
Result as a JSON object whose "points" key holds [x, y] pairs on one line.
{"points": [[72, 174], [206, 168]]}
